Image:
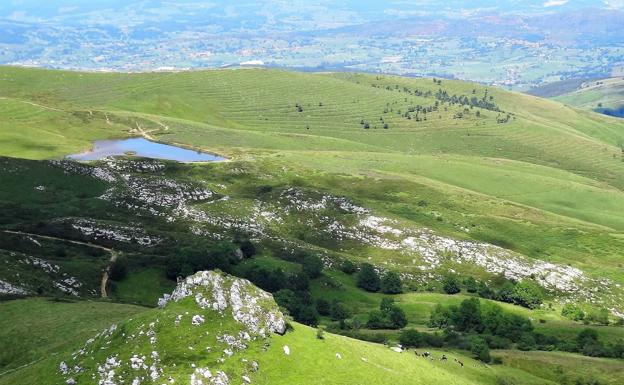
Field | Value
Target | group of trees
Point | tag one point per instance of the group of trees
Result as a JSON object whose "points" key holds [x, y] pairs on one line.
{"points": [[471, 325], [292, 290], [486, 102], [389, 316], [524, 293], [207, 256], [369, 279]]}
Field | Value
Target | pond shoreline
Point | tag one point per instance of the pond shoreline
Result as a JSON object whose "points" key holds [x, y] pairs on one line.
{"points": [[144, 148]]}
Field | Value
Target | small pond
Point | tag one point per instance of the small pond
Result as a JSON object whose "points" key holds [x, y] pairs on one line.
{"points": [[143, 148]]}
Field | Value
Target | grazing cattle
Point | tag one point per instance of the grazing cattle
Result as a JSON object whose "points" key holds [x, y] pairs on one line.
{"points": [[426, 354], [443, 358], [460, 363]]}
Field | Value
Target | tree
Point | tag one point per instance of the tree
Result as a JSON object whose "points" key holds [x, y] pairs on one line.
{"points": [[367, 278], [312, 266], [178, 266], [289, 300], [468, 316], [397, 317], [386, 304], [391, 283], [410, 338], [480, 349], [450, 285]]}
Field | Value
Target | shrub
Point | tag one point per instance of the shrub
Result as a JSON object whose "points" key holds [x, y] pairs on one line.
{"points": [[348, 267], [484, 291], [391, 283], [389, 316], [308, 315], [440, 317], [339, 311], [323, 306], [573, 312], [312, 266], [480, 349], [411, 338], [527, 342], [367, 278], [434, 340], [600, 317], [471, 285], [248, 248], [450, 285], [320, 333], [528, 294]]}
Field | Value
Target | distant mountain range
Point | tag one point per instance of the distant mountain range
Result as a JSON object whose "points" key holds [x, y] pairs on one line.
{"points": [[519, 45]]}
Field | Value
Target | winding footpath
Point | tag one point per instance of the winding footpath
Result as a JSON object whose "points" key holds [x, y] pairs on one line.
{"points": [[113, 254]]}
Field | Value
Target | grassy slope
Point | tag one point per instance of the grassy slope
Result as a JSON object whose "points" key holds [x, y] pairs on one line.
{"points": [[547, 184], [382, 366], [564, 368], [52, 327], [609, 92], [310, 360]]}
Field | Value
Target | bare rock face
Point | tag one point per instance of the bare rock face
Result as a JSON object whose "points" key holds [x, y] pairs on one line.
{"points": [[227, 295]]}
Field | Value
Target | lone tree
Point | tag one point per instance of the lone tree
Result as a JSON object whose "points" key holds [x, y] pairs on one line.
{"points": [[367, 278], [391, 283]]}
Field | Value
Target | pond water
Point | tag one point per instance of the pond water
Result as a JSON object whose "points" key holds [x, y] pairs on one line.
{"points": [[143, 148]]}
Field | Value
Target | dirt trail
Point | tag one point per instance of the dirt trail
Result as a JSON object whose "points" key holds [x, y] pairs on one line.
{"points": [[113, 254], [32, 104]]}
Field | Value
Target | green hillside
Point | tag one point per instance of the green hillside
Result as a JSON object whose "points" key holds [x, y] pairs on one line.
{"points": [[182, 346], [605, 96], [514, 199]]}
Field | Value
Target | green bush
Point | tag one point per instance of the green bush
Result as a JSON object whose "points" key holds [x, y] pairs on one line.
{"points": [[312, 266], [411, 338], [573, 312], [450, 285], [348, 267], [367, 278], [391, 283], [480, 349]]}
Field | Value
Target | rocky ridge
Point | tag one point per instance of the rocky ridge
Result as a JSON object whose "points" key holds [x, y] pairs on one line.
{"points": [[206, 332]]}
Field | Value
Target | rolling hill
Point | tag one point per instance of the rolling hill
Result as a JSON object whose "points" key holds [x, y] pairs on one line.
{"points": [[605, 96], [427, 178]]}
